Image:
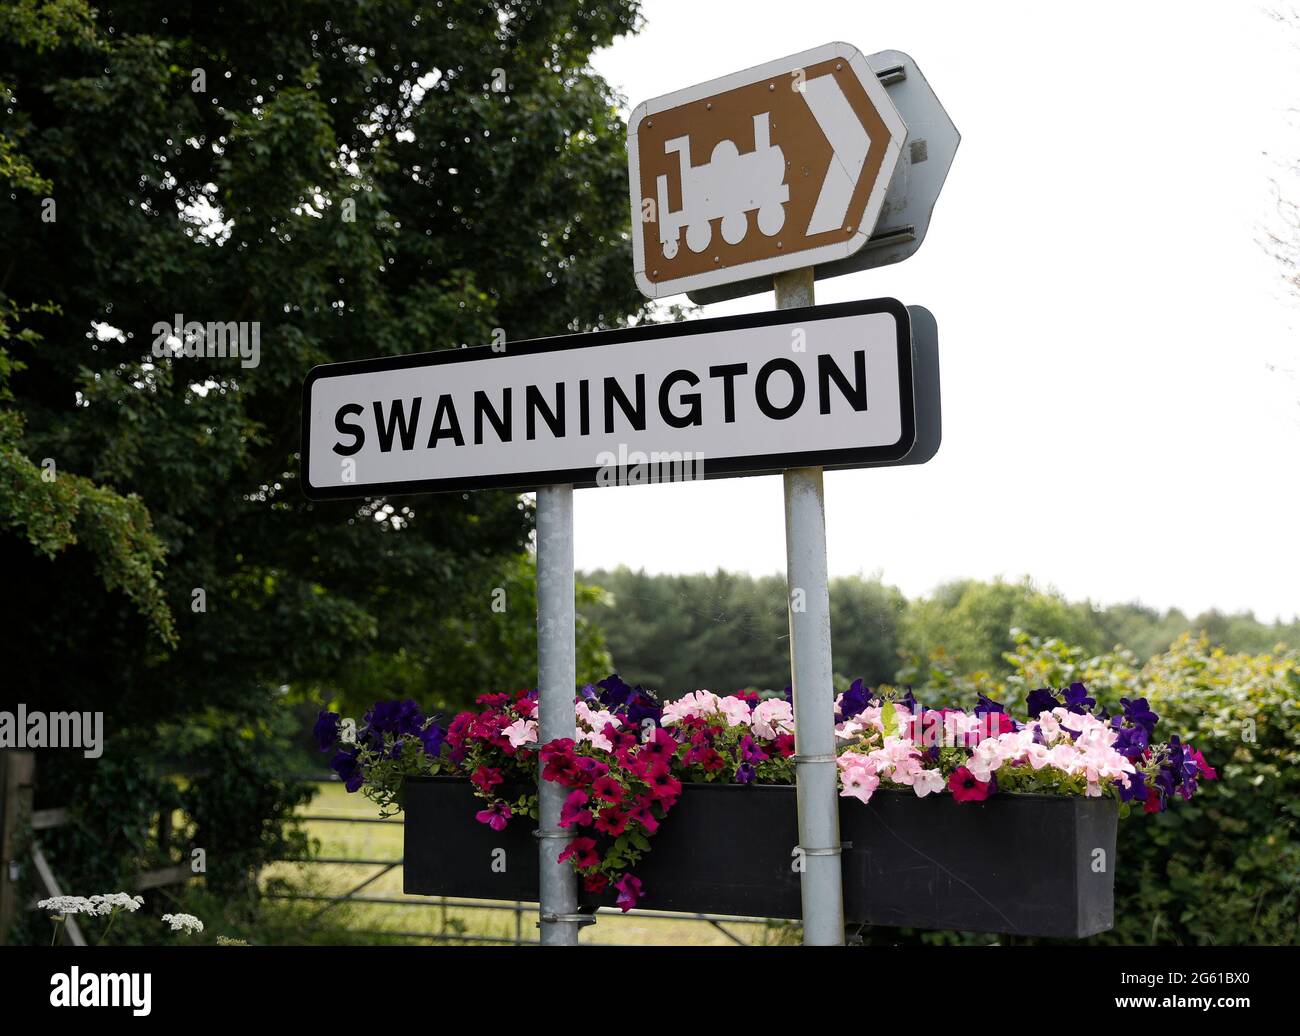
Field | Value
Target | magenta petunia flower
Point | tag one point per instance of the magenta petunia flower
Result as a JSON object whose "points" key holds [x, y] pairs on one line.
{"points": [[657, 753], [559, 763], [665, 787], [607, 788], [588, 769], [629, 891], [644, 815], [612, 821], [965, 788], [495, 816], [582, 851], [486, 778], [574, 810]]}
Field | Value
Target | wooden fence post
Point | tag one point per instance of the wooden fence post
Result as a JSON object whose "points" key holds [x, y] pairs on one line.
{"points": [[17, 784]]}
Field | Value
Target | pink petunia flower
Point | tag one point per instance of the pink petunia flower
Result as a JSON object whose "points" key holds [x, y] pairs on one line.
{"points": [[859, 783], [927, 782], [521, 732]]}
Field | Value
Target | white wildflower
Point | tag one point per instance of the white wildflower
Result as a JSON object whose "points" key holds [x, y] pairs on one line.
{"points": [[64, 906], [115, 901], [187, 923]]}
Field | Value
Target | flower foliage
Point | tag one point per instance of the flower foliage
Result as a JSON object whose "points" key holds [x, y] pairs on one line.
{"points": [[626, 766]]}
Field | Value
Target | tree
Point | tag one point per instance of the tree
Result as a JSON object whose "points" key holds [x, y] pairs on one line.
{"points": [[491, 646], [972, 623], [203, 167], [680, 633], [728, 631], [329, 181]]}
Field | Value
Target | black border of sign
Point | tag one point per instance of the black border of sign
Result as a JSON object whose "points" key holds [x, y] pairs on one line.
{"points": [[722, 467]]}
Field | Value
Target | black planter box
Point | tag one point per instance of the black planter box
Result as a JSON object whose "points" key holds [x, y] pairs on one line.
{"points": [[1019, 864], [446, 852]]}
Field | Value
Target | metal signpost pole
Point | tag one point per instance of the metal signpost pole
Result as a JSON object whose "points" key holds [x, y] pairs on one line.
{"points": [[810, 669], [556, 682]]}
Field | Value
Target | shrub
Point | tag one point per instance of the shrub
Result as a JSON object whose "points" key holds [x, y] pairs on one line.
{"points": [[1225, 868]]}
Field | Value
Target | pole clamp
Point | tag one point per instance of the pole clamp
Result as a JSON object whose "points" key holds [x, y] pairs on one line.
{"points": [[825, 758], [827, 852], [553, 832], [581, 920]]}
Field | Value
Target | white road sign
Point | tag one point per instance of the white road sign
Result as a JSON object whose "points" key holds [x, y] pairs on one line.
{"points": [[827, 385]]}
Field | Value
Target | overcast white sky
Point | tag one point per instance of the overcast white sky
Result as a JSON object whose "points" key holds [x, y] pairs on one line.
{"points": [[1107, 318]]}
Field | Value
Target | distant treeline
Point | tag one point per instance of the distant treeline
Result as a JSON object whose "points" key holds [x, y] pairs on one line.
{"points": [[725, 631]]}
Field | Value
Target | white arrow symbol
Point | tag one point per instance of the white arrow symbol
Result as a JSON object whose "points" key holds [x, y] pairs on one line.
{"points": [[849, 146]]}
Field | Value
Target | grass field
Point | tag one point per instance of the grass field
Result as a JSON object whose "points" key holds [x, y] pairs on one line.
{"points": [[436, 916]]}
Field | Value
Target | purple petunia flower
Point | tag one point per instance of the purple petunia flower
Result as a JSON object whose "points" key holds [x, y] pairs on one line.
{"points": [[394, 717], [432, 737], [641, 706], [854, 700], [1130, 742], [614, 691], [1183, 768], [987, 705], [1139, 713], [1040, 701], [346, 766], [1136, 789], [1077, 700], [326, 730], [745, 773]]}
